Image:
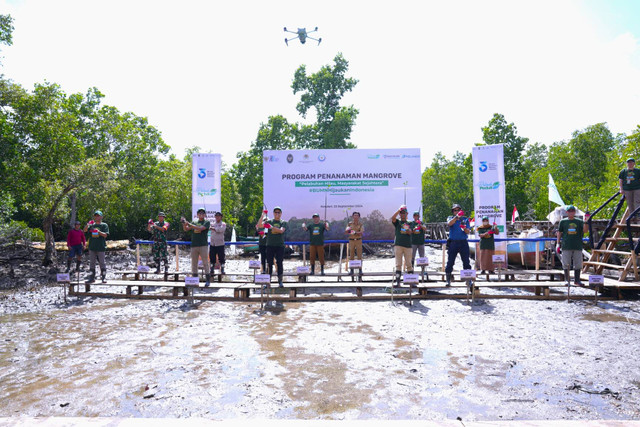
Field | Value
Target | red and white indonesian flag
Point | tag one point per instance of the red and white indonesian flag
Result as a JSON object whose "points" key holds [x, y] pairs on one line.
{"points": [[515, 214]]}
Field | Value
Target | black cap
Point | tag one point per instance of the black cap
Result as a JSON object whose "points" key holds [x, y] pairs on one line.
{"points": [[203, 210], [218, 213]]}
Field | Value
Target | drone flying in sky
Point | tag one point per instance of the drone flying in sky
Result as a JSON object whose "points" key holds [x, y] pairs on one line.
{"points": [[301, 34]]}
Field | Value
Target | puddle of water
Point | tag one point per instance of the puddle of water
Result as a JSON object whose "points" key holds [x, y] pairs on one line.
{"points": [[609, 317]]}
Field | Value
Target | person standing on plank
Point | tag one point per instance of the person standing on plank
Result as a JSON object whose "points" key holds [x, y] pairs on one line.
{"points": [[417, 238], [486, 233], [75, 243], [217, 242], [199, 243], [402, 243], [262, 245], [355, 230], [457, 242], [275, 229], [316, 242], [571, 230], [158, 232], [98, 233], [629, 182]]}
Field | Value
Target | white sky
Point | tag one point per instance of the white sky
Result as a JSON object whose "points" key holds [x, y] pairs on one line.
{"points": [[431, 73]]}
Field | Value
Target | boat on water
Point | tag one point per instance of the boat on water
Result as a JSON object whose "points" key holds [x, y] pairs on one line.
{"points": [[520, 252]]}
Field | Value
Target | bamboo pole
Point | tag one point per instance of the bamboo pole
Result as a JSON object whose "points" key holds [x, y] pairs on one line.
{"points": [[137, 254], [177, 258]]}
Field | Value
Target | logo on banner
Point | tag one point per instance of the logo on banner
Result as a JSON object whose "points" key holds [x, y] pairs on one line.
{"points": [[290, 158], [373, 156], [270, 159], [322, 157], [483, 167], [488, 185], [202, 172]]}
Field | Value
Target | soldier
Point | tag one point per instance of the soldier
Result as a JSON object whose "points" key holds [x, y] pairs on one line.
{"points": [[275, 229], [217, 242], [486, 232], [316, 242], [262, 245], [629, 182], [571, 230], [355, 230], [158, 231], [98, 233], [417, 238], [402, 243], [457, 242], [199, 244]]}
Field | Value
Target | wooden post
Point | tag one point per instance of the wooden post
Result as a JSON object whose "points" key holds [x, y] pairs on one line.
{"points": [[444, 251], [304, 254], [537, 256], [137, 254], [177, 259], [340, 262]]}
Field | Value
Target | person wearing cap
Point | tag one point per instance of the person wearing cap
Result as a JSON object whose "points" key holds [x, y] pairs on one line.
{"points": [[159, 250], [199, 244], [217, 242], [355, 230], [417, 237], [75, 244], [571, 230], [262, 244], [629, 182], [457, 242], [486, 233], [316, 242], [275, 229], [402, 245], [98, 233]]}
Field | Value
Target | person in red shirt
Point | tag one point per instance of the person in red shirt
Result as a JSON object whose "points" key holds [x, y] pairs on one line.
{"points": [[75, 244]]}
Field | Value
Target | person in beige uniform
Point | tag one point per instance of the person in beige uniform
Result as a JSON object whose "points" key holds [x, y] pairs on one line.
{"points": [[355, 230]]}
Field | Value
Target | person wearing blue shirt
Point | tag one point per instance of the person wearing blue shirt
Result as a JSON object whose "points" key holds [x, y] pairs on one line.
{"points": [[457, 242]]}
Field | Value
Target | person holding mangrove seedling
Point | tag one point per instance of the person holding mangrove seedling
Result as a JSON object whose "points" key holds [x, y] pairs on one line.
{"points": [[417, 238], [275, 229], [457, 242], [199, 243], [629, 182], [158, 232], [98, 233], [316, 242], [486, 232], [402, 243]]}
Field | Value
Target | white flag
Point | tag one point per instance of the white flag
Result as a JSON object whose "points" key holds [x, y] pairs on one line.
{"points": [[554, 196]]}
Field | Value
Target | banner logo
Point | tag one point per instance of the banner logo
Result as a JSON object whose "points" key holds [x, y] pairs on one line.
{"points": [[488, 185], [202, 172], [483, 167], [322, 157], [290, 158]]}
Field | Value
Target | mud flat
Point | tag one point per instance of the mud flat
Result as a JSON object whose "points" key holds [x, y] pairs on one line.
{"points": [[435, 360]]}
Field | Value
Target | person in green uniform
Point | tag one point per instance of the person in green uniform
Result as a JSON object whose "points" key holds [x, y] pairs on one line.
{"points": [[629, 182], [275, 229], [199, 243], [486, 232], [262, 245], [417, 237], [571, 230], [316, 242], [158, 232], [98, 233], [402, 241]]}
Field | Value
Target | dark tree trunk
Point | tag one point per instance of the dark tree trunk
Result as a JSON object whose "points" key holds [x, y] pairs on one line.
{"points": [[50, 253]]}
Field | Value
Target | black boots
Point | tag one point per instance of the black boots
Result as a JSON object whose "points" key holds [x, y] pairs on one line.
{"points": [[576, 277], [567, 278], [398, 275], [103, 275], [166, 266], [313, 269], [157, 266], [322, 270], [448, 278], [221, 268], [68, 265], [280, 280], [208, 280], [92, 277]]}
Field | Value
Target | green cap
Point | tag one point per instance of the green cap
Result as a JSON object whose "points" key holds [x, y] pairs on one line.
{"points": [[631, 160], [416, 212], [570, 208], [98, 212], [203, 210], [485, 217], [315, 215]]}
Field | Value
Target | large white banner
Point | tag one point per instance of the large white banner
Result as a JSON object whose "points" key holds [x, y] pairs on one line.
{"points": [[205, 183], [488, 188], [372, 182]]}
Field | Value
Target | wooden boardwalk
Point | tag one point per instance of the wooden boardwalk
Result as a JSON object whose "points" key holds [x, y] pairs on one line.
{"points": [[539, 284]]}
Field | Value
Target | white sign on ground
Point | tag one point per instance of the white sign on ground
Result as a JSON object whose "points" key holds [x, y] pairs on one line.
{"points": [[205, 183], [372, 182]]}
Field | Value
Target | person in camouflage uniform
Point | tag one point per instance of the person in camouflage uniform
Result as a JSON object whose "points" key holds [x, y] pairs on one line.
{"points": [[159, 251]]}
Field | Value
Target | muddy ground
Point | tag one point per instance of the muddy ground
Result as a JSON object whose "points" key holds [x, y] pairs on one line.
{"points": [[437, 359]]}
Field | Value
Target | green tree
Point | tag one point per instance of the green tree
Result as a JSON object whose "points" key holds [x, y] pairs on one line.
{"points": [[445, 182], [536, 189]]}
